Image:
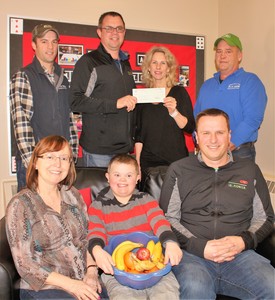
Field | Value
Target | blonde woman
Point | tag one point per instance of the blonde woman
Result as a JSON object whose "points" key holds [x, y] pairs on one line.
{"points": [[161, 126]]}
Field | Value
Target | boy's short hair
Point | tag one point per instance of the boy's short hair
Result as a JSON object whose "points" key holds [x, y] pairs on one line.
{"points": [[123, 159]]}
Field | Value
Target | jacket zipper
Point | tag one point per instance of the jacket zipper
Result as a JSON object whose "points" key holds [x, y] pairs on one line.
{"points": [[216, 203]]}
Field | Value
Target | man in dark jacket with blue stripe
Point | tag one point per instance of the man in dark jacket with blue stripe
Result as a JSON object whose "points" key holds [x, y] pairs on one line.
{"points": [[101, 89], [220, 209]]}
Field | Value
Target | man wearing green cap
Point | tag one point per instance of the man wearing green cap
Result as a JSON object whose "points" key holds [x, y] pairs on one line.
{"points": [[239, 93]]}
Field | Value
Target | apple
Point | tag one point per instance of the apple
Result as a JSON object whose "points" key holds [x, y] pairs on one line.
{"points": [[143, 253]]}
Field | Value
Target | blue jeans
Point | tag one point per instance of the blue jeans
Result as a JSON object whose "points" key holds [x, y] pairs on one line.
{"points": [[45, 294], [21, 174], [245, 152], [248, 276], [52, 294], [96, 160]]}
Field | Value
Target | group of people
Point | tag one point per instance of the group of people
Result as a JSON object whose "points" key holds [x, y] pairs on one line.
{"points": [[214, 207]]}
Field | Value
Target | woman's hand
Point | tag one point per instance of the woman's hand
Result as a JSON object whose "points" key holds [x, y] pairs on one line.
{"points": [[78, 288], [170, 103], [91, 278], [103, 260], [82, 290]]}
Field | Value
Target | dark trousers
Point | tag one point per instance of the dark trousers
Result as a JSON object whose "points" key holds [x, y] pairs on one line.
{"points": [[21, 174]]}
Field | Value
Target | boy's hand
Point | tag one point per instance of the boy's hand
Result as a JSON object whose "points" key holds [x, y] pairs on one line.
{"points": [[103, 260], [172, 253]]}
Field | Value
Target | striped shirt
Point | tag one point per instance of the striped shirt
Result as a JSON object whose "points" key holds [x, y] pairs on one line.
{"points": [[108, 217]]}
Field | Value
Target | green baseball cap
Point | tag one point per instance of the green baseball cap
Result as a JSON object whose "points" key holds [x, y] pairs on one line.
{"points": [[231, 39]]}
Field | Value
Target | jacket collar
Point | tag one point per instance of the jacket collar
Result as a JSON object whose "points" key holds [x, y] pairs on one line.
{"points": [[36, 62], [122, 55], [234, 74], [230, 161]]}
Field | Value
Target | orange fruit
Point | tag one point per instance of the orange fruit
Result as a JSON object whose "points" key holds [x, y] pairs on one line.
{"points": [[128, 260], [133, 271]]}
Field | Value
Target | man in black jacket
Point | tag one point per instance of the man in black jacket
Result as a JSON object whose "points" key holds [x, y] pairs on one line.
{"points": [[101, 89], [220, 210]]}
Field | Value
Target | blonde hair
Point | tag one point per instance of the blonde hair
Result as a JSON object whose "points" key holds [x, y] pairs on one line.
{"points": [[171, 63]]}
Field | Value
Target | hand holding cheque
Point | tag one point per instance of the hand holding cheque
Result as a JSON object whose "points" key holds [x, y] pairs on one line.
{"points": [[149, 95], [155, 95]]}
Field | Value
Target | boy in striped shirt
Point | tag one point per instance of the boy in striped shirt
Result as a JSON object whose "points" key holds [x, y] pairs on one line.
{"points": [[120, 209]]}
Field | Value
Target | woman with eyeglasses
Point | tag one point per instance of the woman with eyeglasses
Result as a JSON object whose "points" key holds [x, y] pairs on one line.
{"points": [[160, 126], [46, 226]]}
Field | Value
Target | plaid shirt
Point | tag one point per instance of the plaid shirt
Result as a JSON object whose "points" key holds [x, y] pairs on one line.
{"points": [[21, 107]]}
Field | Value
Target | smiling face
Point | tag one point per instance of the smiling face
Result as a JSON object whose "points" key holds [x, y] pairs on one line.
{"points": [[46, 49], [159, 68], [227, 58], [52, 169], [213, 137], [111, 41], [122, 179]]}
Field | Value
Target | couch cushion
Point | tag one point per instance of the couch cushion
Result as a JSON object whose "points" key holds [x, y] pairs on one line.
{"points": [[93, 178], [86, 194], [153, 180]]}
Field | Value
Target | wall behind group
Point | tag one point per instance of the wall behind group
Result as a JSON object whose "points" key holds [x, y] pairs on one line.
{"points": [[252, 21]]}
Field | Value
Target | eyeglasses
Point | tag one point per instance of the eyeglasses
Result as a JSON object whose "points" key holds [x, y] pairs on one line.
{"points": [[110, 29], [52, 158]]}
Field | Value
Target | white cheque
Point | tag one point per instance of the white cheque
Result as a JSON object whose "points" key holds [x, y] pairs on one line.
{"points": [[149, 95]]}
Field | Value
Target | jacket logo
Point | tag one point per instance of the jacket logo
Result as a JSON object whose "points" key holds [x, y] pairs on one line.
{"points": [[234, 86], [62, 87], [238, 185]]}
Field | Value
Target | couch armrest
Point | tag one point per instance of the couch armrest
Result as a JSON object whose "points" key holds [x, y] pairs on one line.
{"points": [[8, 272], [267, 247]]}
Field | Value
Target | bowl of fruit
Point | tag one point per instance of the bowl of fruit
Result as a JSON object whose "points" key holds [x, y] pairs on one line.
{"points": [[139, 260]]}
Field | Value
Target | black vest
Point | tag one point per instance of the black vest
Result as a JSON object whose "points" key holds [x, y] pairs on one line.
{"points": [[51, 110]]}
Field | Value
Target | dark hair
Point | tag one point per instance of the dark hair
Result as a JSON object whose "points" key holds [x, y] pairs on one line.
{"points": [[50, 143], [109, 13], [213, 112], [124, 159]]}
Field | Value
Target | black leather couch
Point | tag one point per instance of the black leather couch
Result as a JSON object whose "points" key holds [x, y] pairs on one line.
{"points": [[95, 178]]}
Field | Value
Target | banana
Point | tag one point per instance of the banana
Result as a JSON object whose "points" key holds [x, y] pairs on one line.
{"points": [[143, 265], [118, 246], [150, 246], [160, 265], [161, 258], [156, 255], [121, 251]]}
